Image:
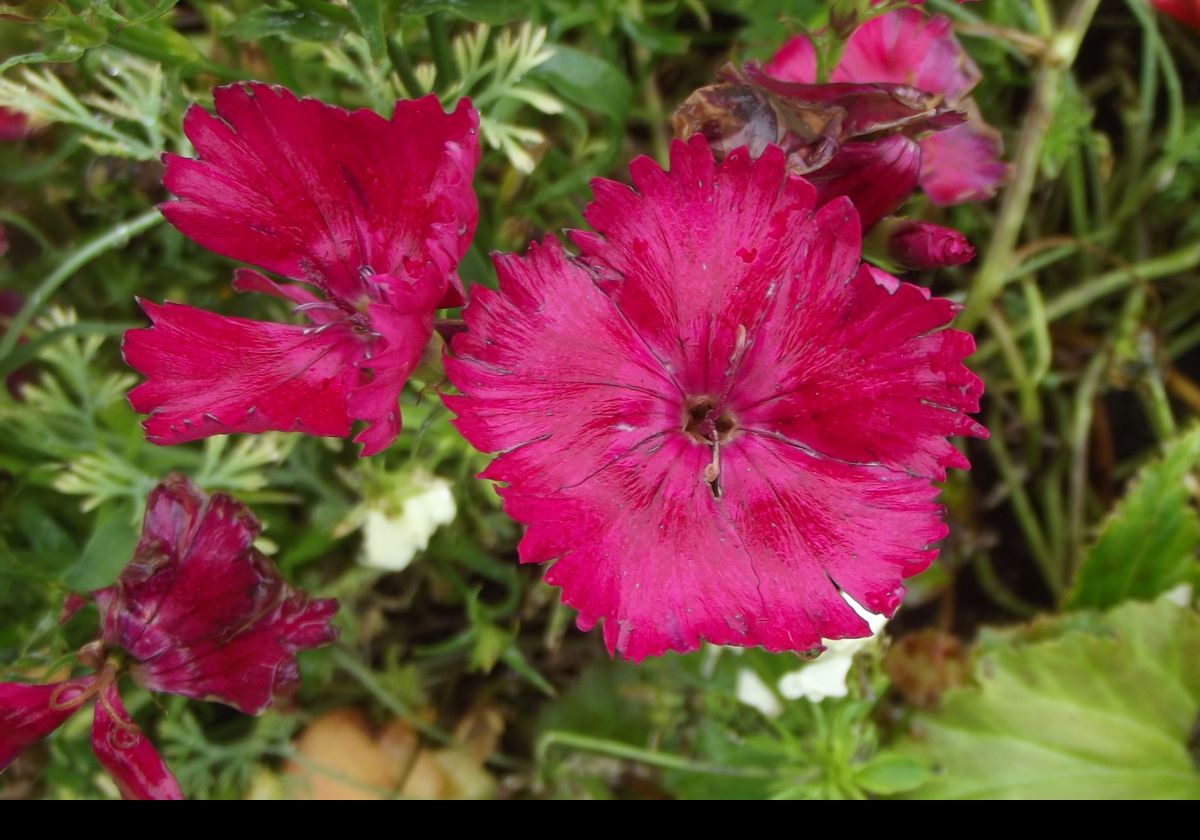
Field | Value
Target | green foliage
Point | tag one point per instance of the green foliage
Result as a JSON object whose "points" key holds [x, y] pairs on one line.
{"points": [[1097, 709], [1148, 545]]}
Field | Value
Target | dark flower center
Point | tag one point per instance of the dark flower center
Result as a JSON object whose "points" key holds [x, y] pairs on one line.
{"points": [[706, 422]]}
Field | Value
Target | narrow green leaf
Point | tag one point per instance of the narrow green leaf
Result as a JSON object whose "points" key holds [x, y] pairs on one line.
{"points": [[588, 81], [107, 551]]}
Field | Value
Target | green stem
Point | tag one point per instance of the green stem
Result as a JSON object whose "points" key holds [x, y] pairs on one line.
{"points": [[1176, 262], [1024, 511], [404, 68], [366, 678], [439, 44], [628, 752], [1085, 396], [115, 237], [1055, 65]]}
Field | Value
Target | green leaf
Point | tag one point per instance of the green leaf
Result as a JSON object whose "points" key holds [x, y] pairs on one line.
{"points": [[588, 81], [889, 773], [491, 12], [369, 14], [1149, 543], [292, 24], [1085, 710], [107, 551], [661, 41]]}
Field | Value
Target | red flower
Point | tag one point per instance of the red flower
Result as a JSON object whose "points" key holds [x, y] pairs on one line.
{"points": [[715, 418], [373, 213], [198, 612], [13, 125], [922, 245], [1186, 12], [907, 47]]}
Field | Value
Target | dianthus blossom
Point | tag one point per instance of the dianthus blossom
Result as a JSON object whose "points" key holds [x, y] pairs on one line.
{"points": [[907, 47], [369, 215], [715, 418], [198, 612]]}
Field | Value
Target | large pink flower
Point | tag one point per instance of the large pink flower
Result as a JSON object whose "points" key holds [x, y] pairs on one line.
{"points": [[373, 214], [908, 47], [197, 612], [715, 418]]}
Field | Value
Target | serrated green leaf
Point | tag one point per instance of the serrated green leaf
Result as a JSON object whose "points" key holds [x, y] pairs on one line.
{"points": [[587, 81], [1149, 544], [294, 24], [1098, 713]]}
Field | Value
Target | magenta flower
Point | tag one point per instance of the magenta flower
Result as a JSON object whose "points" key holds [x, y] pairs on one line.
{"points": [[13, 125], [373, 214], [715, 418], [921, 246], [908, 47], [197, 612]]}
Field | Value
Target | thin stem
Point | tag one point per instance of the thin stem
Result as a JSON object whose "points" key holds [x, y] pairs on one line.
{"points": [[115, 237], [1024, 511], [404, 68], [1176, 262], [628, 752], [1085, 397], [1054, 66], [439, 43], [366, 678]]}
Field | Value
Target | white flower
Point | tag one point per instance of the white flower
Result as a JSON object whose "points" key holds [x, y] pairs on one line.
{"points": [[826, 677], [396, 528], [755, 693]]}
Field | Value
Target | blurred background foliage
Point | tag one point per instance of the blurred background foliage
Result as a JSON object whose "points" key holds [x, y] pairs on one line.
{"points": [[1052, 650]]}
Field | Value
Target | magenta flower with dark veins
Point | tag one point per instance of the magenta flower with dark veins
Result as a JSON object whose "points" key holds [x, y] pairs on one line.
{"points": [[369, 215], [197, 612], [909, 47], [715, 420]]}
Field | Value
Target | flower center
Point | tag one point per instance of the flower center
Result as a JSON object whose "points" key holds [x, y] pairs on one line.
{"points": [[705, 422]]}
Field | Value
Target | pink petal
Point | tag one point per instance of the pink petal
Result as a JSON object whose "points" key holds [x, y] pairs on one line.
{"points": [[28, 713], [127, 755], [707, 295], [963, 164], [203, 614], [878, 177], [207, 374], [796, 61], [317, 194], [922, 246], [404, 323], [908, 47]]}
